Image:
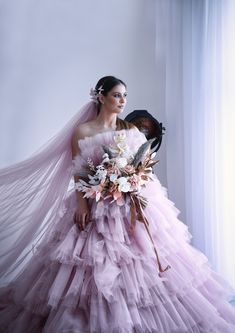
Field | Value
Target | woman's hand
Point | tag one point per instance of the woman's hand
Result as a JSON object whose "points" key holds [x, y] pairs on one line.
{"points": [[81, 215]]}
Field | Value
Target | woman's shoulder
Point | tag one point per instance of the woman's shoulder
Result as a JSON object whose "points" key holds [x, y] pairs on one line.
{"points": [[80, 132], [83, 130]]}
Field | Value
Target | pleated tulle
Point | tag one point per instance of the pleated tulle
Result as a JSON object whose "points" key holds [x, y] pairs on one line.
{"points": [[106, 280]]}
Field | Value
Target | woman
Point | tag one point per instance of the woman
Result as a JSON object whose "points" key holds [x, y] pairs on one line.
{"points": [[111, 102], [105, 259]]}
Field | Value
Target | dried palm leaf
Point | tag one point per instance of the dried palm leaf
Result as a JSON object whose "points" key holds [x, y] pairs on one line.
{"points": [[140, 155], [108, 151]]}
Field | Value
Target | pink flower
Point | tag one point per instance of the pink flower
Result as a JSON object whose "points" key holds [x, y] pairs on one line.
{"points": [[118, 197], [129, 169], [94, 192]]}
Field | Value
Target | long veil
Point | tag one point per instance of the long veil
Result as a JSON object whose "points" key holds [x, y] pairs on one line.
{"points": [[31, 193]]}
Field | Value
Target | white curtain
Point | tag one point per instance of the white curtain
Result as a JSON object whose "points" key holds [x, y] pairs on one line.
{"points": [[195, 51], [227, 197]]}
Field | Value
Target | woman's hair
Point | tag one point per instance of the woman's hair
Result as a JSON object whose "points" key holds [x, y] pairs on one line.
{"points": [[123, 124], [107, 83], [104, 86]]}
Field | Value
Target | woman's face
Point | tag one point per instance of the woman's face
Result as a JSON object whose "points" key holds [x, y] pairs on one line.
{"points": [[115, 100]]}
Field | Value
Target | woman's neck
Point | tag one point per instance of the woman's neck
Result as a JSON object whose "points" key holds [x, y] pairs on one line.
{"points": [[106, 120]]}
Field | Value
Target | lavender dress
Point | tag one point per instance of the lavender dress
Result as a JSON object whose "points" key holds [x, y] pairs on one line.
{"points": [[106, 280]]}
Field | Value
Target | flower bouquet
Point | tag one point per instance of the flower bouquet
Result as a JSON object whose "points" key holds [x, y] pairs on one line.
{"points": [[120, 175]]}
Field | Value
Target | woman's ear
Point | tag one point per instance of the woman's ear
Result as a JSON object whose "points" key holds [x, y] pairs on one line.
{"points": [[101, 98]]}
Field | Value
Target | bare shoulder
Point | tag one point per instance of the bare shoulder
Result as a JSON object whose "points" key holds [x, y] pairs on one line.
{"points": [[82, 130]]}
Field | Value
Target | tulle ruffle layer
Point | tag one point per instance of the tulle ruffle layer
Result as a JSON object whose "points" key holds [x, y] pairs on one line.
{"points": [[105, 280]]}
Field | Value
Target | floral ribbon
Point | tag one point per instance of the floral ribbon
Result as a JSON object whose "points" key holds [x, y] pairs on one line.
{"points": [[137, 204]]}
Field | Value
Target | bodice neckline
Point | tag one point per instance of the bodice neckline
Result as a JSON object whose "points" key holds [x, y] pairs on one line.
{"points": [[87, 138]]}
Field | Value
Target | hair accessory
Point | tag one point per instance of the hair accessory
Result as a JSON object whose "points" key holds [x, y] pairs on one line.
{"points": [[100, 89], [93, 94]]}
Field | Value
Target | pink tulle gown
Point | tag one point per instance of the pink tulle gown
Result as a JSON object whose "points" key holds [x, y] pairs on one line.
{"points": [[106, 280]]}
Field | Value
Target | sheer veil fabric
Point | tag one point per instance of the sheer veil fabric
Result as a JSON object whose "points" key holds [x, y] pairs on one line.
{"points": [[31, 193]]}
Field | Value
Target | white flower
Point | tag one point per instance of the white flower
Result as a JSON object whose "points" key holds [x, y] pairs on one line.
{"points": [[113, 177], [105, 158], [121, 162], [101, 173], [93, 180], [94, 95], [123, 186], [128, 154]]}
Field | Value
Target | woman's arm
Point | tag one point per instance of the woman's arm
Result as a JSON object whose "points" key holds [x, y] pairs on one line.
{"points": [[82, 214]]}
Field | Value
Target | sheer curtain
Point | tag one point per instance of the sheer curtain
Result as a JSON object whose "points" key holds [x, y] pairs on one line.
{"points": [[227, 230], [194, 51]]}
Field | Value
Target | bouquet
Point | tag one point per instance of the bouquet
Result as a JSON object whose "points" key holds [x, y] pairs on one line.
{"points": [[120, 174]]}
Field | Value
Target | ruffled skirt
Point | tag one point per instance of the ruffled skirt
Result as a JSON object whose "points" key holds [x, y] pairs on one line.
{"points": [[106, 280]]}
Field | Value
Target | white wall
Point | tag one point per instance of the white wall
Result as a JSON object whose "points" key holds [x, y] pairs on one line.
{"points": [[53, 52]]}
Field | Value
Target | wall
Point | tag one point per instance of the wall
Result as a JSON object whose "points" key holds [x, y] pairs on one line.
{"points": [[53, 52]]}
